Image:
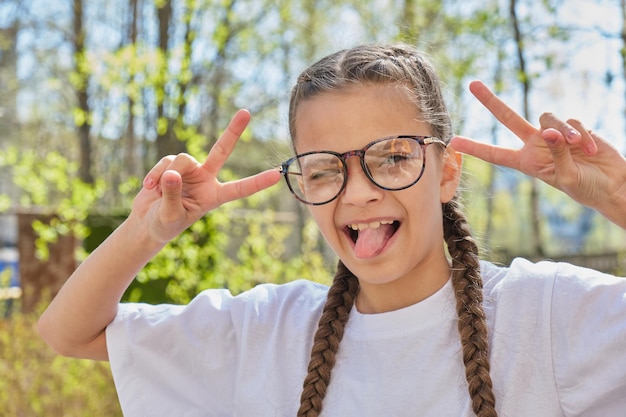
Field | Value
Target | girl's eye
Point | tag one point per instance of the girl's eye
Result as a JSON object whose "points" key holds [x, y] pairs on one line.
{"points": [[395, 158], [321, 175]]}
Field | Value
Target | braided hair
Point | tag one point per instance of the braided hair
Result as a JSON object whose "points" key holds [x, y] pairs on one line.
{"points": [[397, 64], [341, 297], [467, 286]]}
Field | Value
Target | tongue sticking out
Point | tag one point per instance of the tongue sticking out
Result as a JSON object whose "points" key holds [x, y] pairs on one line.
{"points": [[371, 242]]}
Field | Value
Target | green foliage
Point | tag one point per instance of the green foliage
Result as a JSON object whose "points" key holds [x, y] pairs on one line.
{"points": [[182, 268], [5, 202], [506, 218], [224, 55], [37, 382], [49, 182], [234, 248], [263, 254]]}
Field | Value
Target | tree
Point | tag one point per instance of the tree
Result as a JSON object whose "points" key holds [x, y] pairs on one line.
{"points": [[623, 49], [524, 79], [115, 85], [8, 70], [9, 87], [81, 85]]}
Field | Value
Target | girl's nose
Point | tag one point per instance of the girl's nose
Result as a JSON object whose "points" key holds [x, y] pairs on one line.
{"points": [[359, 190]]}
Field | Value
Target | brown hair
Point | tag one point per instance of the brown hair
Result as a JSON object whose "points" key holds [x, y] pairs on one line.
{"points": [[402, 65]]}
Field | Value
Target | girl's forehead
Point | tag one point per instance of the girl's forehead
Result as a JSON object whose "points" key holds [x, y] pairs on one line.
{"points": [[398, 93], [354, 116]]}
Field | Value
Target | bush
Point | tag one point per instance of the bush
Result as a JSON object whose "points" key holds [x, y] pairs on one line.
{"points": [[37, 382]]}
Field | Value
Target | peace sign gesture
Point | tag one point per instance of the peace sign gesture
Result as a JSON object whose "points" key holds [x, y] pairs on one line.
{"points": [[176, 192], [563, 154], [179, 190]]}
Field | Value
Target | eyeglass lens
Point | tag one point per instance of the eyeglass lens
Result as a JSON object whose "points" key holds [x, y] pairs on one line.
{"points": [[391, 164]]}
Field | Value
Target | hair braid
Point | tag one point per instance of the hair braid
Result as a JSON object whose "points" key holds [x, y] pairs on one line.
{"points": [[397, 65], [468, 285], [341, 296]]}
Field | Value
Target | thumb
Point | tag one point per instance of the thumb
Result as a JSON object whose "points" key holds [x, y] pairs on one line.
{"points": [[563, 161], [171, 192]]}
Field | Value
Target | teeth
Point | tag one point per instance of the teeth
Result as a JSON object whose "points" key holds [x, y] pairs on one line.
{"points": [[372, 225]]}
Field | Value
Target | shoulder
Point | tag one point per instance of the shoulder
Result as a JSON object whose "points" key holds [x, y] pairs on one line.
{"points": [[547, 285], [522, 272], [518, 280], [299, 289], [279, 299], [262, 298], [495, 274], [560, 323]]}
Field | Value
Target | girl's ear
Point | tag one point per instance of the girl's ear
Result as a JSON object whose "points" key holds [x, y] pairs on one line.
{"points": [[452, 163]]}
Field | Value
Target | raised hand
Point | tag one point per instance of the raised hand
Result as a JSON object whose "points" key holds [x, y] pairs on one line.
{"points": [[176, 192], [563, 154], [179, 190]]}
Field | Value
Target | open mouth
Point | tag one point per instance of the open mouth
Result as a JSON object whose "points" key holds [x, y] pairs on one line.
{"points": [[370, 238], [353, 229]]}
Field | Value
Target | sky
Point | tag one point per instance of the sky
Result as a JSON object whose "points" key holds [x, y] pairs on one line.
{"points": [[579, 89]]}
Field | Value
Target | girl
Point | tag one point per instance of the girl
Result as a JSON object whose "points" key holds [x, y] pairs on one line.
{"points": [[409, 326]]}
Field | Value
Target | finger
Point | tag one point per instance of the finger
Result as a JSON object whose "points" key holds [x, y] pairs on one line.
{"points": [[506, 115], [564, 165], [224, 146], [588, 143], [245, 187], [153, 177], [550, 121], [489, 153], [182, 163], [171, 201]]}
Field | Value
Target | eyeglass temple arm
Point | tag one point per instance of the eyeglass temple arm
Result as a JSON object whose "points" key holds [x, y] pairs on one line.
{"points": [[428, 141], [283, 170]]}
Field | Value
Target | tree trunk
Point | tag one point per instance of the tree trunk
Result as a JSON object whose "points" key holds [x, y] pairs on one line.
{"points": [[8, 79], [536, 240], [41, 280], [407, 21], [623, 49], [130, 157], [491, 185], [84, 126], [166, 141]]}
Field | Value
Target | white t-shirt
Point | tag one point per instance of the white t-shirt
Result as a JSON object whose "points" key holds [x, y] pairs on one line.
{"points": [[557, 340]]}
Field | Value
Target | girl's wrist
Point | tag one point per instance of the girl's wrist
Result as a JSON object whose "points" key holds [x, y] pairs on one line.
{"points": [[138, 231], [619, 209], [614, 208]]}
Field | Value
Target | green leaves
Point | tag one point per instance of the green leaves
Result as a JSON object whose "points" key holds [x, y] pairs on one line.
{"points": [[38, 383], [49, 183], [232, 247]]}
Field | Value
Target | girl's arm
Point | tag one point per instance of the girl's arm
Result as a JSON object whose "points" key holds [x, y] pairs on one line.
{"points": [[563, 154], [75, 321], [176, 192]]}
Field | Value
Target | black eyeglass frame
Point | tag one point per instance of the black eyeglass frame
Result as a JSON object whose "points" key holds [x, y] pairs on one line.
{"points": [[423, 141]]}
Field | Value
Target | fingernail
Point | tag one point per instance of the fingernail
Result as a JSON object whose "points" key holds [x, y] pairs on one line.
{"points": [[148, 182], [591, 149], [573, 134], [550, 140]]}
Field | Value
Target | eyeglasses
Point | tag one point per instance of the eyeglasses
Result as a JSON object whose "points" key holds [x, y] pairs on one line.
{"points": [[391, 163]]}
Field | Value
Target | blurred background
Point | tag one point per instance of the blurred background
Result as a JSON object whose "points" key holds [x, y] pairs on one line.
{"points": [[94, 92]]}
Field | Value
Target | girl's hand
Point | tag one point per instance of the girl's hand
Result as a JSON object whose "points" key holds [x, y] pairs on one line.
{"points": [[563, 154], [179, 190]]}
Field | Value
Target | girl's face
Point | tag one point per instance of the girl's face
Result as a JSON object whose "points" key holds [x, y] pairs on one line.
{"points": [[398, 253]]}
